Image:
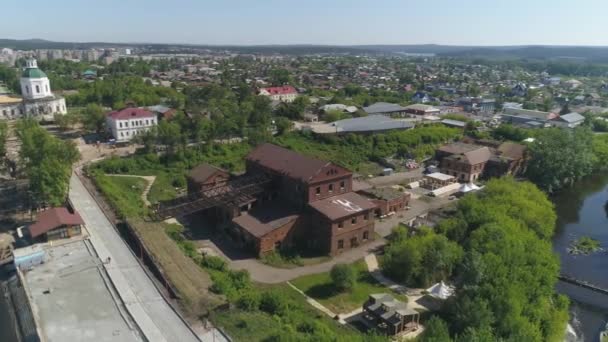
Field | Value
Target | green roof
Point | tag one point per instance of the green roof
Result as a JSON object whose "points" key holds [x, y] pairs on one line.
{"points": [[33, 73]]}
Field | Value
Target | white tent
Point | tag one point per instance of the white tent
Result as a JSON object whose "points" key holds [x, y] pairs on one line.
{"points": [[468, 187], [441, 290]]}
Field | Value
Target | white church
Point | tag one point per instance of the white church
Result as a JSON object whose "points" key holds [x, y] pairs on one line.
{"points": [[38, 101]]}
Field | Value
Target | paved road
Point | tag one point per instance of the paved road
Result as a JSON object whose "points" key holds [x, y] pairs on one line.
{"points": [[152, 313], [271, 275]]}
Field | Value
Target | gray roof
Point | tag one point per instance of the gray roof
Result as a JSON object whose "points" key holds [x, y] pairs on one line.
{"points": [[383, 107], [370, 123], [456, 123], [572, 117]]}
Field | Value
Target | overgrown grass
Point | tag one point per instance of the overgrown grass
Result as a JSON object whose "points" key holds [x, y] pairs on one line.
{"points": [[123, 193], [278, 260], [320, 287]]}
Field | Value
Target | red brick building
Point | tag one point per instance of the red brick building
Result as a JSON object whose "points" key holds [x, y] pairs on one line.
{"points": [[310, 203], [204, 177], [387, 200]]}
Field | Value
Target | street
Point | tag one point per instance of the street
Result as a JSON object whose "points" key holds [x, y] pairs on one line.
{"points": [[153, 314]]}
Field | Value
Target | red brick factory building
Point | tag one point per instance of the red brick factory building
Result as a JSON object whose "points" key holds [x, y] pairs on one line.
{"points": [[309, 203]]}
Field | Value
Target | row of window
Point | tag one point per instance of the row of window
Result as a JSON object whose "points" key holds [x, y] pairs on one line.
{"points": [[353, 241], [27, 89], [127, 133], [330, 188], [353, 220], [136, 123]]}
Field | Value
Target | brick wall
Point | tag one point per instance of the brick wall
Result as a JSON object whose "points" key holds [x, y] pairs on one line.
{"points": [[329, 188]]}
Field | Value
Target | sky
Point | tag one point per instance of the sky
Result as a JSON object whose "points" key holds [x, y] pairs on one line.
{"points": [[326, 22]]}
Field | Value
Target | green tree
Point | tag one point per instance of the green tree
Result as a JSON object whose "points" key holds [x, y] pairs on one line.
{"points": [[47, 162], [422, 259], [436, 330], [94, 118], [343, 276], [283, 125], [560, 157], [3, 137], [279, 77]]}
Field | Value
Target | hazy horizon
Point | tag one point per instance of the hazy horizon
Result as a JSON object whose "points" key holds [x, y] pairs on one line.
{"points": [[315, 22]]}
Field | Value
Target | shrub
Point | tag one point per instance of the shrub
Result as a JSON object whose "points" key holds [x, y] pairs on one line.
{"points": [[273, 302], [343, 276], [249, 301], [214, 262]]}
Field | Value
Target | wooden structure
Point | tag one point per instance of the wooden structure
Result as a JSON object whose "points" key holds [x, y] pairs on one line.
{"points": [[389, 315]]}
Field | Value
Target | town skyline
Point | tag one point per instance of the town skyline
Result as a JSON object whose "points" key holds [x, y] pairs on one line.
{"points": [[361, 22]]}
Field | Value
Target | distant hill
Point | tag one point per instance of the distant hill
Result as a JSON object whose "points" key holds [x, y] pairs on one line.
{"points": [[593, 54]]}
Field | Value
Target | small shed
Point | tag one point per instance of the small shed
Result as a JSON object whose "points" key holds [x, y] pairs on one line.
{"points": [[56, 223]]}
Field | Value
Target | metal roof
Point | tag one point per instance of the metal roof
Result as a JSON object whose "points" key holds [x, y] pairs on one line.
{"points": [[383, 107], [370, 123]]}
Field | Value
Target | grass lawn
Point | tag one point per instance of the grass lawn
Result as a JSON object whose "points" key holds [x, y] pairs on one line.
{"points": [[320, 287]]}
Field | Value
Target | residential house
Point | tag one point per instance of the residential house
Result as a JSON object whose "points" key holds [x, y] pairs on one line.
{"points": [[338, 107], [281, 94], [520, 90], [533, 118], [127, 123], [421, 97], [56, 223], [162, 112]]}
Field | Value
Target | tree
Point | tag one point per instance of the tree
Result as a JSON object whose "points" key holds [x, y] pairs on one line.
{"points": [[3, 137], [279, 77], [560, 157], [47, 162], [93, 118], [422, 259], [343, 276], [436, 330], [283, 125], [502, 288]]}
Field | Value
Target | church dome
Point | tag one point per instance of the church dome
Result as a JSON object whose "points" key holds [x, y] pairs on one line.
{"points": [[33, 73]]}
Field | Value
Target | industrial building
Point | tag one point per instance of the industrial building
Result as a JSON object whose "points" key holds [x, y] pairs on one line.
{"points": [[284, 200]]}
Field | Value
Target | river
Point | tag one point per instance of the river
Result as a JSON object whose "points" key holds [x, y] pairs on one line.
{"points": [[582, 211]]}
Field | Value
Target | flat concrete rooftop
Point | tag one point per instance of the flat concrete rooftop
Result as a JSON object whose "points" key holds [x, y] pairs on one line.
{"points": [[72, 298]]}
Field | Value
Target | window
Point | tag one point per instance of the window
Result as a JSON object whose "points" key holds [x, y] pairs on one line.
{"points": [[318, 190], [121, 134], [342, 185], [331, 188], [147, 122], [366, 216], [126, 123], [365, 235], [340, 244], [341, 224], [353, 242], [37, 89], [120, 124], [353, 220], [27, 89]]}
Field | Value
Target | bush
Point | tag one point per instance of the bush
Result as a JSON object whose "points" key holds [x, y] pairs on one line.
{"points": [[274, 303], [214, 262], [343, 276], [249, 301]]}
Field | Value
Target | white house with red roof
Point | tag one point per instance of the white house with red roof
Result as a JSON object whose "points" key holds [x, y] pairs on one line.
{"points": [[284, 93], [127, 123]]}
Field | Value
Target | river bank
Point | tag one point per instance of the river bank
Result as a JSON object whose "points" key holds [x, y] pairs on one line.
{"points": [[582, 212]]}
